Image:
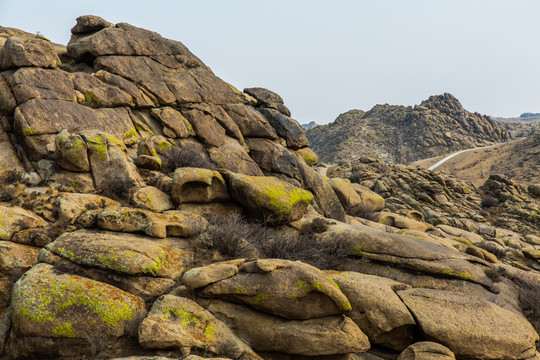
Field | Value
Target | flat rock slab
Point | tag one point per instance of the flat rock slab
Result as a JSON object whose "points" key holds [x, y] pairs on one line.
{"points": [[427, 350], [290, 289], [469, 326], [323, 336], [19, 51], [177, 322], [52, 311], [123, 253]]}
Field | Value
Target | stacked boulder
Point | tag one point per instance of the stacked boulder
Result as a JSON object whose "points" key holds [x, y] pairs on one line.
{"points": [[118, 153]]}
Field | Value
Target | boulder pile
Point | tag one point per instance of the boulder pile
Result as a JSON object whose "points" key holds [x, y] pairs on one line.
{"points": [[150, 210]]}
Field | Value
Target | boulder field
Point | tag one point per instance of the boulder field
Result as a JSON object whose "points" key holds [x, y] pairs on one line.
{"points": [[150, 210]]}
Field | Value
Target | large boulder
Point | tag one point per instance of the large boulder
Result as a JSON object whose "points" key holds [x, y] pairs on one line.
{"points": [[234, 157], [16, 259], [122, 253], [250, 121], [179, 323], [376, 308], [290, 289], [268, 197], [426, 350], [287, 128], [71, 152], [31, 83], [175, 121], [198, 185], [98, 93], [13, 219], [52, 311], [470, 326], [268, 98], [322, 336], [19, 51], [273, 158]]}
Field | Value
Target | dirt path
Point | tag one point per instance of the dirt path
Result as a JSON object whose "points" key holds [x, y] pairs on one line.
{"points": [[440, 162]]}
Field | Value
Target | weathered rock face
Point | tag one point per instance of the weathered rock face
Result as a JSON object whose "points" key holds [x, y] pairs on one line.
{"points": [[399, 134], [125, 171]]}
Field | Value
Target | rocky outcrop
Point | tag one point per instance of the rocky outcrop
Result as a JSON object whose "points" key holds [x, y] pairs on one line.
{"points": [[399, 134], [150, 210]]}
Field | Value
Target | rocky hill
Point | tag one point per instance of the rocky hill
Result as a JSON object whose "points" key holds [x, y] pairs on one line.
{"points": [[149, 210], [518, 159], [401, 135]]}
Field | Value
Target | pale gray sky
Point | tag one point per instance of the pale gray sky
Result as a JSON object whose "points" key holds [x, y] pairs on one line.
{"points": [[327, 57]]}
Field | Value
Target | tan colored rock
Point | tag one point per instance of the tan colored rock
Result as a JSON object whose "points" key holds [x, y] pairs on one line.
{"points": [[273, 158], [13, 219], [147, 287], [47, 307], [10, 162], [176, 322], [206, 127], [153, 199], [269, 198], [250, 121], [470, 326], [16, 259], [7, 99], [323, 336], [348, 197], [70, 205], [290, 289], [140, 97], [30, 83], [370, 199], [233, 156], [475, 239], [412, 253], [90, 23], [427, 350], [71, 152], [198, 185], [99, 94], [309, 156], [286, 127], [159, 225], [376, 308], [400, 221], [72, 182], [325, 197], [109, 162], [174, 120], [123, 253], [202, 276], [19, 51]]}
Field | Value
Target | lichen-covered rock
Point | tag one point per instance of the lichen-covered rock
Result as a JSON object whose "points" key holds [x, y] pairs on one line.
{"points": [[51, 311], [322, 336], [99, 94], [470, 326], [9, 160], [153, 199], [273, 158], [13, 219], [71, 152], [371, 201], [159, 225], [90, 23], [376, 308], [348, 197], [290, 289], [19, 51], [123, 253], [16, 259], [426, 350], [250, 121], [310, 157], [268, 197], [140, 98], [198, 185], [179, 323]]}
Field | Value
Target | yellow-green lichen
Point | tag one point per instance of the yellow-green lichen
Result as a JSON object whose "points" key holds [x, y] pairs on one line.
{"points": [[279, 198], [158, 263], [259, 298], [29, 132], [65, 329], [89, 96]]}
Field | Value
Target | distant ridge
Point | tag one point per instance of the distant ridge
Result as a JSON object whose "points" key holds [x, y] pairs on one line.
{"points": [[399, 134]]}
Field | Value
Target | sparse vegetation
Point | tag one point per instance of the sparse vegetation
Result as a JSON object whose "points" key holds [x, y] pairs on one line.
{"points": [[119, 188], [488, 201], [233, 237], [175, 157]]}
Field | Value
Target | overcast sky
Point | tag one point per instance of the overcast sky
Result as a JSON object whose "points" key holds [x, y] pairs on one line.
{"points": [[327, 57]]}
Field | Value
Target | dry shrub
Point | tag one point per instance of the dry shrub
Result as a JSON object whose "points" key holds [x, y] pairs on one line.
{"points": [[529, 295], [175, 157], [234, 237], [488, 201], [119, 188]]}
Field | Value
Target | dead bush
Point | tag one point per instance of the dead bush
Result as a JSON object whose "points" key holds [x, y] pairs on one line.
{"points": [[234, 237], [175, 157], [488, 201], [119, 188], [528, 295]]}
